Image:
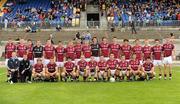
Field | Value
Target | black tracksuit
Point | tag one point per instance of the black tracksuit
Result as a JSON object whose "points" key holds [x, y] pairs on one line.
{"points": [[25, 70], [95, 48]]}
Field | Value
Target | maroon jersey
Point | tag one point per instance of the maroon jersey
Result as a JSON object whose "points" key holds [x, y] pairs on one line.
{"points": [[123, 65], [9, 48], [21, 50], [70, 52], [167, 49], [102, 65], [38, 68], [82, 64], [49, 51], [126, 51], [112, 64], [104, 49], [147, 50], [134, 64], [78, 49], [138, 51], [92, 64], [51, 67], [86, 51], [30, 52], [69, 66], [148, 66], [60, 54], [157, 50], [115, 49]]}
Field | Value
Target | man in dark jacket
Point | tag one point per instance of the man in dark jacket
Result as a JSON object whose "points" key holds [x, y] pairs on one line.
{"points": [[13, 67], [25, 69], [95, 48]]}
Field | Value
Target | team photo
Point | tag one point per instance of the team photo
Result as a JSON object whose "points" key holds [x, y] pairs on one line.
{"points": [[89, 51]]}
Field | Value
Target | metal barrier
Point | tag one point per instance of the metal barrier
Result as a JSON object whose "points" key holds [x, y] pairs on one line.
{"points": [[90, 24], [148, 23], [41, 24], [93, 24]]}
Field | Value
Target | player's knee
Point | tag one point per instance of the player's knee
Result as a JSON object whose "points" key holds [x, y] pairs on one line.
{"points": [[63, 74], [73, 74]]}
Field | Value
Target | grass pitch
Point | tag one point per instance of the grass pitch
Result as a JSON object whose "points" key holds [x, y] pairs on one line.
{"points": [[151, 92]]}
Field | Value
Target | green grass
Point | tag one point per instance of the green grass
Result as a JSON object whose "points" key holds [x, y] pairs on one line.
{"points": [[151, 92]]}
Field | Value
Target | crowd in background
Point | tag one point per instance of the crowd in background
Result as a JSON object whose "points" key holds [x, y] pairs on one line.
{"points": [[62, 11], [140, 10], [117, 11]]}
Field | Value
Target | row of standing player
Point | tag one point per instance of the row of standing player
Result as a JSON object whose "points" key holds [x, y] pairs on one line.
{"points": [[157, 52]]}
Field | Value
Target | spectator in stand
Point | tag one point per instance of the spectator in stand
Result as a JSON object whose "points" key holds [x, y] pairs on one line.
{"points": [[59, 12], [178, 16], [5, 23], [146, 12]]}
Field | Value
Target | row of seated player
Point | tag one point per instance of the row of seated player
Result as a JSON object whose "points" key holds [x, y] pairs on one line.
{"points": [[97, 71]]}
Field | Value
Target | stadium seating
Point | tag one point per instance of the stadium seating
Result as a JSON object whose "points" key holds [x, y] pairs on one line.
{"points": [[144, 11], [59, 15]]}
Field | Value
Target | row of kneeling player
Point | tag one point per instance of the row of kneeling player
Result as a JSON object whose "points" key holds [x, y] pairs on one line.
{"points": [[92, 70]]}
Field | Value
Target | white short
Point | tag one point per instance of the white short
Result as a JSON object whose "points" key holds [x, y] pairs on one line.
{"points": [[148, 72], [157, 62], [92, 73], [106, 58], [6, 62], [118, 59], [112, 72], [96, 59], [31, 62], [60, 64], [35, 60], [81, 73], [101, 73], [127, 60], [20, 58], [167, 60], [141, 62], [87, 59], [123, 73], [76, 61], [46, 61]]}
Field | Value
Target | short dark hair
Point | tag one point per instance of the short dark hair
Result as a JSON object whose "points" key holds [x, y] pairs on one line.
{"points": [[29, 40], [125, 40], [68, 58], [103, 38], [156, 39], [148, 58], [136, 40], [171, 34]]}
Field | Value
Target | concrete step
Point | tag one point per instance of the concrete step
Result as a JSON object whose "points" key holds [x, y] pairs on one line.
{"points": [[103, 21], [83, 20]]}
